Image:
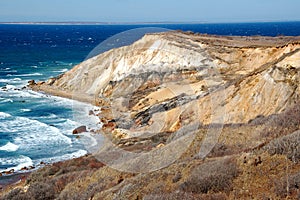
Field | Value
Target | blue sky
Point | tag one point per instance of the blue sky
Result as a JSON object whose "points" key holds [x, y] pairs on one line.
{"points": [[150, 10]]}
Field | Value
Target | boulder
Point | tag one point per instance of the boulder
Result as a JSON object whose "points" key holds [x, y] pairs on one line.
{"points": [[40, 83], [31, 82], [31, 167], [24, 169], [80, 129], [91, 112], [51, 81]]}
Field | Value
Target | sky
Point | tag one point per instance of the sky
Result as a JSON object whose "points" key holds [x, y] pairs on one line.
{"points": [[149, 10]]}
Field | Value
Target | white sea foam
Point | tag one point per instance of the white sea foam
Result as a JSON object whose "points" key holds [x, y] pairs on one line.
{"points": [[23, 93], [10, 147], [13, 80], [61, 71], [10, 80], [92, 141], [32, 133], [25, 110], [32, 74], [12, 71], [10, 87], [76, 154], [6, 101], [80, 114], [4, 115], [19, 162]]}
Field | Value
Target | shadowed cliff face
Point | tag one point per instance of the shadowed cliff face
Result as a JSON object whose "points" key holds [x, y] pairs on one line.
{"points": [[168, 80]]}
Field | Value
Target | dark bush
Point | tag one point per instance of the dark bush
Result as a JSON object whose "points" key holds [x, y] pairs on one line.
{"points": [[288, 145], [213, 176]]}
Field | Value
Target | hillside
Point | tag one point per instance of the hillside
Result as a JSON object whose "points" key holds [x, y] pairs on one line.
{"points": [[185, 116]]}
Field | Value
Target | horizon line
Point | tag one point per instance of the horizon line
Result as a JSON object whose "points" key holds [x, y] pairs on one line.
{"points": [[136, 23]]}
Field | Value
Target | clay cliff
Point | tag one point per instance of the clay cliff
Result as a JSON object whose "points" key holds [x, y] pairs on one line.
{"points": [[179, 78], [185, 116]]}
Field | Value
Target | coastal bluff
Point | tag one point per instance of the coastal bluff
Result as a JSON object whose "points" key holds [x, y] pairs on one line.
{"points": [[185, 116], [181, 78]]}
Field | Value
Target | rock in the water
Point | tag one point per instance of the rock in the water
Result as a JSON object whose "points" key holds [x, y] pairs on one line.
{"points": [[91, 112], [24, 169], [80, 129], [31, 82]]}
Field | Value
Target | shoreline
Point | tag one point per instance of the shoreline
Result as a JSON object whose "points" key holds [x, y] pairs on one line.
{"points": [[60, 93], [10, 178]]}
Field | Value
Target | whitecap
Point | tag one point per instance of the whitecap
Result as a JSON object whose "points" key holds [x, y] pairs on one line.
{"points": [[25, 110], [11, 71], [10, 87], [19, 162], [13, 80], [6, 101], [9, 147], [61, 71], [4, 115], [91, 140], [33, 74], [76, 154], [33, 133], [5, 80], [23, 93]]}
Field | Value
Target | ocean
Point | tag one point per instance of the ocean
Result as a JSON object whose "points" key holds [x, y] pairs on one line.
{"points": [[37, 128]]}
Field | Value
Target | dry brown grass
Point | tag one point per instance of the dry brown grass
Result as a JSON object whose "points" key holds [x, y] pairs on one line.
{"points": [[288, 145], [214, 176]]}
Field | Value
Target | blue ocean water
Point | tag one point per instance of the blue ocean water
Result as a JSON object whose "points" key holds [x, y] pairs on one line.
{"points": [[35, 127]]}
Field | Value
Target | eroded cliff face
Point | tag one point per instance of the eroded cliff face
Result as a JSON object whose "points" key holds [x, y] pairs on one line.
{"points": [[166, 81], [179, 81]]}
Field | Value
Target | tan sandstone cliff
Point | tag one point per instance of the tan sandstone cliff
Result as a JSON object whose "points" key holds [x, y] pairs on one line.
{"points": [[190, 117], [165, 81]]}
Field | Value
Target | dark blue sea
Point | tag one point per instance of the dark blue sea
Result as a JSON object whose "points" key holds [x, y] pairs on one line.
{"points": [[35, 127]]}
